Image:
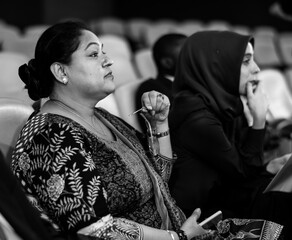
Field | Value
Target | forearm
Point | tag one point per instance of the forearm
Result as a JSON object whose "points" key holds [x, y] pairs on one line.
{"points": [[109, 228], [259, 123], [163, 139]]}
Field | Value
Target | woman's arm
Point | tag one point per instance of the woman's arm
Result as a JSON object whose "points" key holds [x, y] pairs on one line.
{"points": [[156, 110], [59, 170], [202, 135], [155, 115], [109, 228]]}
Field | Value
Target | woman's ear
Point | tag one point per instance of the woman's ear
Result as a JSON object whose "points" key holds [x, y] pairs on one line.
{"points": [[59, 73]]}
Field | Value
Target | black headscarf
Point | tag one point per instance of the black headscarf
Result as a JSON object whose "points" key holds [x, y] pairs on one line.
{"points": [[208, 73]]}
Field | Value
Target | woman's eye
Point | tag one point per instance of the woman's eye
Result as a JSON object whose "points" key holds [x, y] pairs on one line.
{"points": [[95, 54], [246, 61]]}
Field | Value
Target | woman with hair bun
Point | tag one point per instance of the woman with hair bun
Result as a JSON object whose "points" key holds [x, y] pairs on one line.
{"points": [[89, 171]]}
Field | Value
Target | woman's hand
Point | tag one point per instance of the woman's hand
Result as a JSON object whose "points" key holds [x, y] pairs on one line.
{"points": [[276, 164], [257, 103], [191, 226], [156, 106]]}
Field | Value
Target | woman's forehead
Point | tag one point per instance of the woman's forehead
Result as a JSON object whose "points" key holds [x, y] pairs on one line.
{"points": [[89, 38], [249, 48]]}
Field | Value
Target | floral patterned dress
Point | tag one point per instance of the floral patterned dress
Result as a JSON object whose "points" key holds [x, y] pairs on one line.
{"points": [[77, 179]]}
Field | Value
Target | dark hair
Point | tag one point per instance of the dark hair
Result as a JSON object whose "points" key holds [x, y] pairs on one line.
{"points": [[56, 44], [166, 46]]}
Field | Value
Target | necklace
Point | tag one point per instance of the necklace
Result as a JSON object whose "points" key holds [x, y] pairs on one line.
{"points": [[72, 111]]}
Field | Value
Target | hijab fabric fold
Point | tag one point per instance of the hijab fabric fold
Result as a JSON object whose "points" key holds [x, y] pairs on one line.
{"points": [[208, 68]]}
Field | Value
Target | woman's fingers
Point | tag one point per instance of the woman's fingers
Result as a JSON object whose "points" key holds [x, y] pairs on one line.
{"points": [[155, 102]]}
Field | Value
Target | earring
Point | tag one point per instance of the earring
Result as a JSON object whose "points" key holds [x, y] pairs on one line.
{"points": [[65, 80]]}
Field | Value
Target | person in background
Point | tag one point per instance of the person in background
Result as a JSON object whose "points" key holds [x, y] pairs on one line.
{"points": [[165, 52], [217, 121], [85, 169]]}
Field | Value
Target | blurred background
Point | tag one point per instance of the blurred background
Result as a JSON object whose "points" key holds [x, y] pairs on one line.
{"points": [[248, 12], [128, 30]]}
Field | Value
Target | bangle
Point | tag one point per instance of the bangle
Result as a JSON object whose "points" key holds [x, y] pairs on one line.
{"points": [[181, 235], [171, 234], [161, 134]]}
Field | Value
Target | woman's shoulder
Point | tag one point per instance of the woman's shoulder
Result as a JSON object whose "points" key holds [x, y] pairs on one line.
{"points": [[38, 123], [203, 117], [39, 120]]}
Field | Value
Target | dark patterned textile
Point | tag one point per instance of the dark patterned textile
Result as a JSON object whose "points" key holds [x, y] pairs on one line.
{"points": [[78, 179], [248, 229], [96, 187]]}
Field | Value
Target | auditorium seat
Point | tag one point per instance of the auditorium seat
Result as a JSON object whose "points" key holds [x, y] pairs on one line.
{"points": [[13, 115], [285, 47], [116, 46], [144, 63], [11, 85], [279, 95], [125, 95]]}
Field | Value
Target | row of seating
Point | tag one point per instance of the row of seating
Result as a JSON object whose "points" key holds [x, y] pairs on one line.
{"points": [[273, 48], [124, 38]]}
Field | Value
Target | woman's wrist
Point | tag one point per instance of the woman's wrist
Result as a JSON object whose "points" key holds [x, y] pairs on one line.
{"points": [[181, 235], [259, 124], [158, 134], [177, 235], [160, 126]]}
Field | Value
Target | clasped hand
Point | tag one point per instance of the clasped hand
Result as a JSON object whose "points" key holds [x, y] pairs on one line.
{"points": [[155, 106]]}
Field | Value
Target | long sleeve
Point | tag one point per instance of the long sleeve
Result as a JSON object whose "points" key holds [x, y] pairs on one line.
{"points": [[57, 168], [204, 138]]}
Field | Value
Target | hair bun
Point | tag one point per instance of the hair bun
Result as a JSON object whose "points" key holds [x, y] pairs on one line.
{"points": [[28, 74]]}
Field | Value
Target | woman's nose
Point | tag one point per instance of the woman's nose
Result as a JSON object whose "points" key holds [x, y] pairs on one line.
{"points": [[256, 68], [107, 62]]}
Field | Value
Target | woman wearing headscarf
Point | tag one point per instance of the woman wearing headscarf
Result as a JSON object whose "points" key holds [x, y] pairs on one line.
{"points": [[218, 124]]}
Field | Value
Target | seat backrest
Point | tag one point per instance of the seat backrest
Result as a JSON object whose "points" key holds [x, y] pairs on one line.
{"points": [[8, 32], [13, 115], [285, 47], [116, 46], [188, 27], [265, 51], [11, 85], [22, 44], [144, 63], [241, 29], [135, 29], [108, 25], [158, 28], [110, 104], [123, 71], [218, 25], [279, 95], [35, 30], [288, 75], [125, 95], [265, 31]]}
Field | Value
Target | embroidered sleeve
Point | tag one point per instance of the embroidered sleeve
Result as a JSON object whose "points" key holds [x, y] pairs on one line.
{"points": [[56, 166], [113, 228]]}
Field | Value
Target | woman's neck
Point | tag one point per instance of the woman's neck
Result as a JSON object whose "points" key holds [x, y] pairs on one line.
{"points": [[82, 114], [81, 108]]}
